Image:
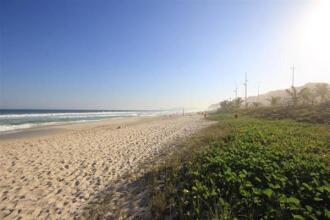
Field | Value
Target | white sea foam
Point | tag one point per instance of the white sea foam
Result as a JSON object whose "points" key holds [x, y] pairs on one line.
{"points": [[4, 128], [71, 115], [14, 122], [9, 128]]}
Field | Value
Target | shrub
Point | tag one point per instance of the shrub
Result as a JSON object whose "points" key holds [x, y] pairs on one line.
{"points": [[261, 170]]}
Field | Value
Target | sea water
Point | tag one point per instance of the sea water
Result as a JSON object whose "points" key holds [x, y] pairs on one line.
{"points": [[15, 120]]}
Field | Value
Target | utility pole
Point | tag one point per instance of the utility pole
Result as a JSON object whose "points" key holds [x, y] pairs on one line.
{"points": [[245, 85], [293, 69], [236, 89], [258, 91]]}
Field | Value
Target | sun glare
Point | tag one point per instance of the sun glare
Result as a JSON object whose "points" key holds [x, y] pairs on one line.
{"points": [[316, 30]]}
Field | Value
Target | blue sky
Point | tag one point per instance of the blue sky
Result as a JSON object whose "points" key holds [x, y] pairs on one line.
{"points": [[107, 54]]}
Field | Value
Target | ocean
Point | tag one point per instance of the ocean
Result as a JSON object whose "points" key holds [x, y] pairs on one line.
{"points": [[16, 120]]}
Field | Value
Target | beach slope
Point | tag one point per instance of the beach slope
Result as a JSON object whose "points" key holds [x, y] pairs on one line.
{"points": [[56, 175]]}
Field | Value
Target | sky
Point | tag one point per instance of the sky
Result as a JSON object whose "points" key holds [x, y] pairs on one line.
{"points": [[152, 54]]}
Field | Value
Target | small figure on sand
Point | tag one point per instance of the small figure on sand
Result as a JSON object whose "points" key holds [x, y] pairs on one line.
{"points": [[205, 114]]}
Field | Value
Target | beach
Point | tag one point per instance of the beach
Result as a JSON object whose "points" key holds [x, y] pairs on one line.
{"points": [[54, 173]]}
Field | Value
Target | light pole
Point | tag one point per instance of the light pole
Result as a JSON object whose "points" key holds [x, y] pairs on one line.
{"points": [[245, 85], [293, 69]]}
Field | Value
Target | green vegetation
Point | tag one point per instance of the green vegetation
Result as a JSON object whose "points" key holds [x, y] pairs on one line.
{"points": [[247, 168], [301, 104], [301, 113]]}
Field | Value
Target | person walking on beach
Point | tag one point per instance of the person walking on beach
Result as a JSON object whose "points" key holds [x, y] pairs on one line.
{"points": [[205, 115]]}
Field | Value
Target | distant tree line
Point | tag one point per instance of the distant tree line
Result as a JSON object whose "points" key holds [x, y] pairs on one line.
{"points": [[304, 97]]}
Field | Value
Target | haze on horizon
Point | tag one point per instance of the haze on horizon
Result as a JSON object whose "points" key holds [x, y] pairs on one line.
{"points": [[156, 54]]}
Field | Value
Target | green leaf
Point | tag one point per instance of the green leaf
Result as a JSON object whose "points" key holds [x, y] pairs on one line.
{"points": [[268, 192], [298, 217], [309, 208], [293, 201], [276, 186], [317, 199], [327, 213], [324, 188], [307, 186]]}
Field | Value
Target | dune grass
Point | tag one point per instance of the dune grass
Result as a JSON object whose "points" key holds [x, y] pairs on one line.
{"points": [[247, 168], [319, 113]]}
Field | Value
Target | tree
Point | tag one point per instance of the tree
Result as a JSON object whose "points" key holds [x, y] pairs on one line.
{"points": [[238, 102], [322, 91], [225, 105], [293, 93], [274, 101], [306, 95], [256, 104]]}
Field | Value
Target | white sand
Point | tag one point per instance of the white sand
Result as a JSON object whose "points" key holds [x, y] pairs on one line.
{"points": [[53, 176]]}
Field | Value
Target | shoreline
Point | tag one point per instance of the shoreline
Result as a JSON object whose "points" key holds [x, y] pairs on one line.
{"points": [[21, 120], [47, 130]]}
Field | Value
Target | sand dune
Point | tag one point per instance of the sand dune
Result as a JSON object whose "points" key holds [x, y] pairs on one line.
{"points": [[54, 176]]}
